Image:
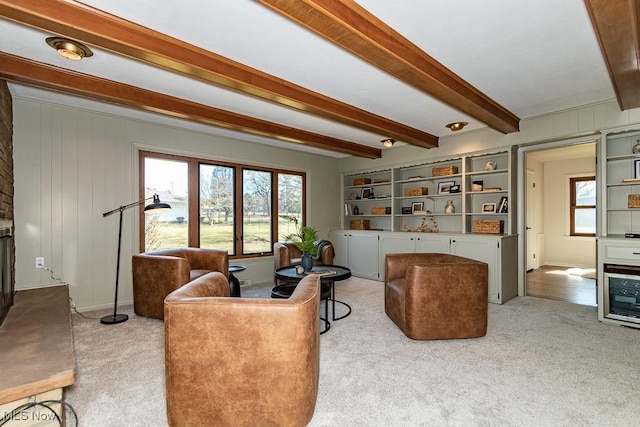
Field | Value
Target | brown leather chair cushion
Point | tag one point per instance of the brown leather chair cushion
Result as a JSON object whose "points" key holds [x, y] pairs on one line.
{"points": [[436, 296], [241, 362]]}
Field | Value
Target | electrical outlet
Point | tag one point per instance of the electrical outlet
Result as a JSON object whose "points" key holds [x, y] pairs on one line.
{"points": [[39, 261]]}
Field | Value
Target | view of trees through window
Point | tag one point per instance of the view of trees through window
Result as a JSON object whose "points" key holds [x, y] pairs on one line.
{"points": [[233, 204], [583, 206]]}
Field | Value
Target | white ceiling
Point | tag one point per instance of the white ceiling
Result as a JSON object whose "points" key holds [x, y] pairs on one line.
{"points": [[532, 57]]}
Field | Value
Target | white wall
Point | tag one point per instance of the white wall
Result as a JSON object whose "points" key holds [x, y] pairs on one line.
{"points": [[72, 165], [561, 125], [560, 248]]}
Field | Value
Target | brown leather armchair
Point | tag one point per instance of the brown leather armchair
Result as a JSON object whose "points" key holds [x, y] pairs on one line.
{"points": [[436, 296], [157, 274], [286, 254], [241, 362]]}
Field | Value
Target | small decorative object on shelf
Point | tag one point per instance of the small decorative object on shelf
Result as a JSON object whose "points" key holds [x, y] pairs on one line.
{"points": [[490, 165], [423, 226], [449, 208], [477, 186], [356, 211], [636, 148]]}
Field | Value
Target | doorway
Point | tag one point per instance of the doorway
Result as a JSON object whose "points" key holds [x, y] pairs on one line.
{"points": [[555, 264]]}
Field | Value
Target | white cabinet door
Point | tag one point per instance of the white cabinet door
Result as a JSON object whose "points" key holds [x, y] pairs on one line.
{"points": [[432, 243], [363, 255], [340, 241], [481, 249], [391, 243]]}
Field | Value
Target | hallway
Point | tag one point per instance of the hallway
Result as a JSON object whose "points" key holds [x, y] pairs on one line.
{"points": [[574, 285]]}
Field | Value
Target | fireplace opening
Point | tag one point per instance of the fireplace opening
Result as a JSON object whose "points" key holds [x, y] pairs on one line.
{"points": [[6, 297]]}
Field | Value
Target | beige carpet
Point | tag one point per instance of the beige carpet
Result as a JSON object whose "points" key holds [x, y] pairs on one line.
{"points": [[543, 363]]}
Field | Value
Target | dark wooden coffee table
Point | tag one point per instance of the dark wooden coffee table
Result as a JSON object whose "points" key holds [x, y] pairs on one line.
{"points": [[329, 274]]}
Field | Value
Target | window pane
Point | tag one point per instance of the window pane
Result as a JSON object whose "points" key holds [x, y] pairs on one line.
{"points": [[585, 193], [585, 221], [216, 208], [166, 229], [289, 203], [256, 211]]}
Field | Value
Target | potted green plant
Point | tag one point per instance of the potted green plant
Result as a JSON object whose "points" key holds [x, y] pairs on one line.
{"points": [[304, 239]]}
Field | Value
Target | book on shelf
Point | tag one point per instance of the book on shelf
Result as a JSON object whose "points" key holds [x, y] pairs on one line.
{"points": [[503, 205], [348, 209]]}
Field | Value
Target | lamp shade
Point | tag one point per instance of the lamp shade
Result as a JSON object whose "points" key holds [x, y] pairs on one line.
{"points": [[156, 205]]}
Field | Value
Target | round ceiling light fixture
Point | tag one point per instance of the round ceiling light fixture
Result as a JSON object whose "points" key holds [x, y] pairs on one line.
{"points": [[456, 126], [69, 49], [388, 142]]}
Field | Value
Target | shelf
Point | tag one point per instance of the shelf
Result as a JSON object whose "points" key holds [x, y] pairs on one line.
{"points": [[468, 167], [497, 171]]}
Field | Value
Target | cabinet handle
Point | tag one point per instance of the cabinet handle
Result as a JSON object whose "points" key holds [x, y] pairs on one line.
{"points": [[636, 253]]}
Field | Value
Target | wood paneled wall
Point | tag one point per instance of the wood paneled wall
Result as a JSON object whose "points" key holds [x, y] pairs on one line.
{"points": [[72, 165]]}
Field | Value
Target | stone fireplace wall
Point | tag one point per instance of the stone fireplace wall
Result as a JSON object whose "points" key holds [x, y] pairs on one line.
{"points": [[6, 185]]}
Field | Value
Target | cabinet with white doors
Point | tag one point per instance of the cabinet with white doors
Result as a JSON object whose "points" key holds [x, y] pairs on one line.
{"points": [[364, 253], [357, 250]]}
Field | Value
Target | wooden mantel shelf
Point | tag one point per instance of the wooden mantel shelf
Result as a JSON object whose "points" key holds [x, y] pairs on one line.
{"points": [[36, 344]]}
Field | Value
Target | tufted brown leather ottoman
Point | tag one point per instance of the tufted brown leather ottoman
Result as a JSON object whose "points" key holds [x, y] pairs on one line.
{"points": [[436, 296]]}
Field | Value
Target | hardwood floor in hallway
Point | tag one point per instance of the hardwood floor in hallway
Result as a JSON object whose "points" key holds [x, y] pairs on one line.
{"points": [[563, 283]]}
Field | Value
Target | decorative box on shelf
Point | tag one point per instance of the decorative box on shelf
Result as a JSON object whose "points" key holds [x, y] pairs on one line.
{"points": [[416, 191], [359, 224], [444, 170], [381, 210], [634, 201], [361, 181], [488, 226]]}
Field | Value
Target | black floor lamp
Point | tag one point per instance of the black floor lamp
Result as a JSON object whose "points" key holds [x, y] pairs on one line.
{"points": [[155, 205]]}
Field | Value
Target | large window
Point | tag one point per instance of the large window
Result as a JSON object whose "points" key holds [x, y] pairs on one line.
{"points": [[583, 206], [219, 205]]}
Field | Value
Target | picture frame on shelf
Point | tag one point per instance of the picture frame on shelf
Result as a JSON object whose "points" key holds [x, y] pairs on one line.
{"points": [[454, 188], [488, 208], [444, 187], [367, 193], [417, 207], [636, 169], [407, 210]]}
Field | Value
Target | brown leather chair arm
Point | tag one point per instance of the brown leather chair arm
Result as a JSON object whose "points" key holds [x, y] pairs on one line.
{"points": [[234, 361], [167, 272], [208, 259], [214, 284], [396, 264], [326, 254]]}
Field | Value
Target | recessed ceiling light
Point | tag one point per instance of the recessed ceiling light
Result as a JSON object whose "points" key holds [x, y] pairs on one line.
{"points": [[455, 126], [388, 142], [69, 49]]}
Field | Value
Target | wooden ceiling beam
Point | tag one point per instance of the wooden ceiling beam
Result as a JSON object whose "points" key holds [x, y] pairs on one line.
{"points": [[616, 24], [33, 73], [353, 28], [117, 35]]}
